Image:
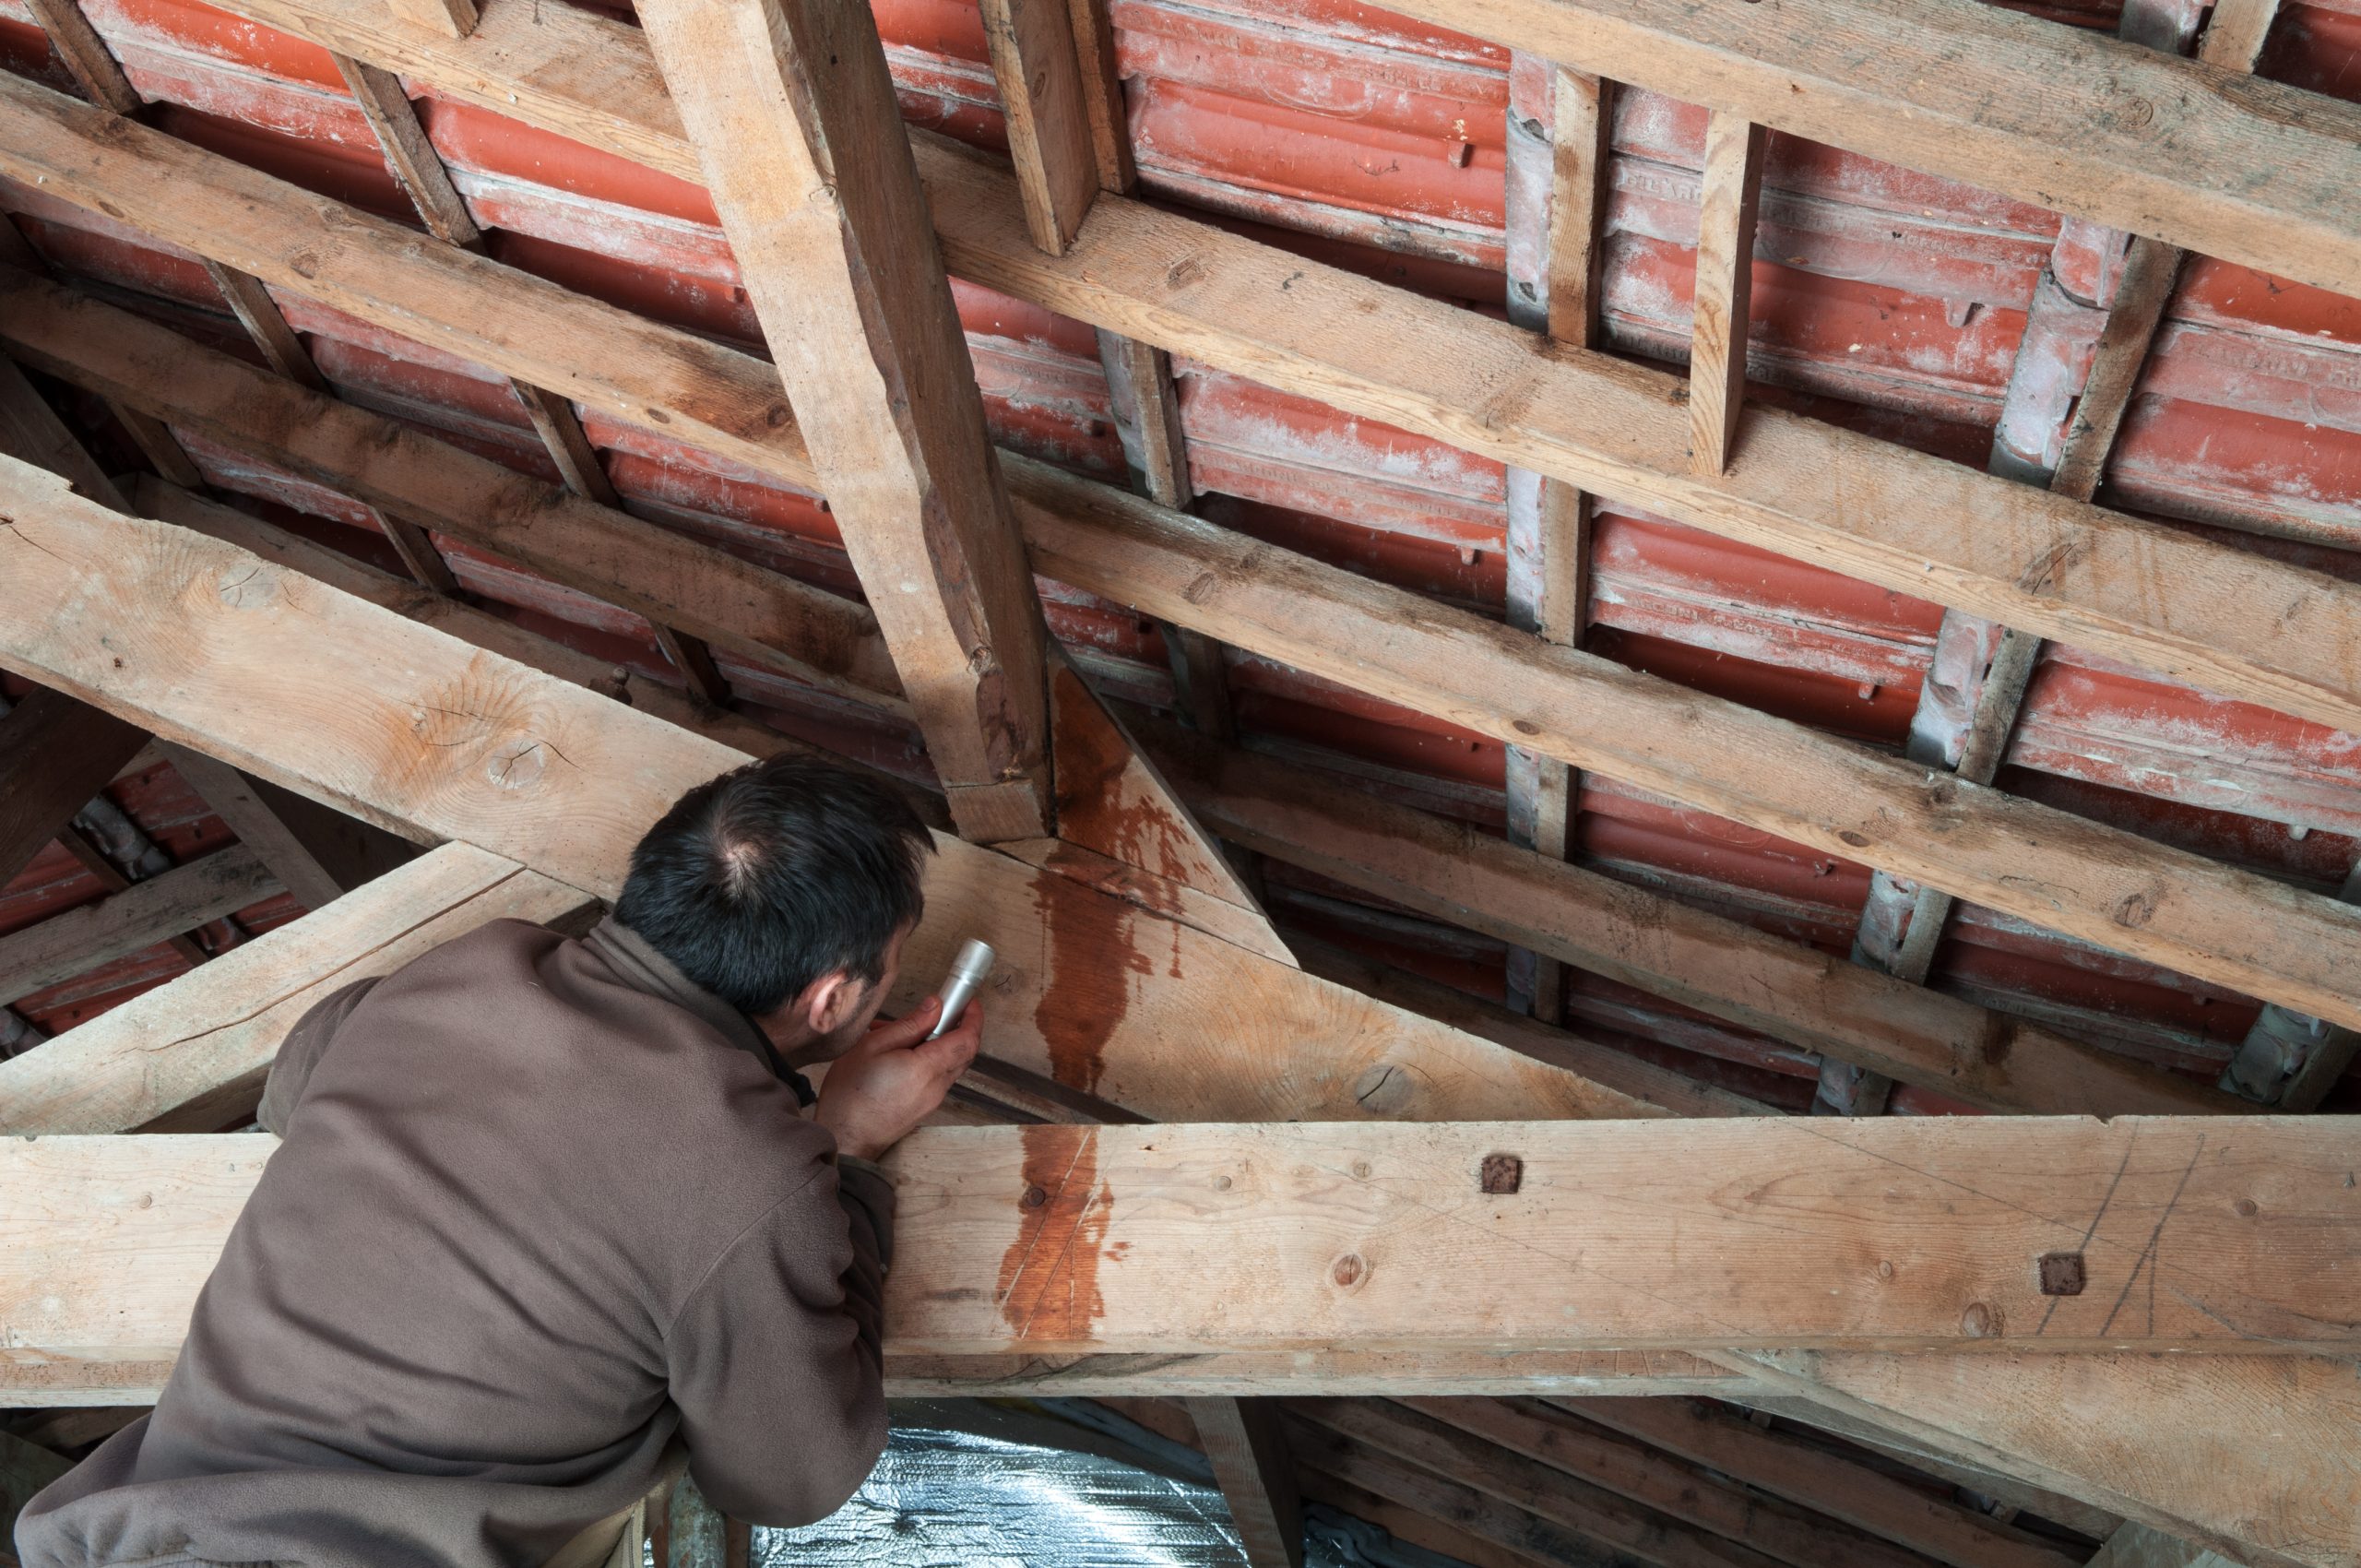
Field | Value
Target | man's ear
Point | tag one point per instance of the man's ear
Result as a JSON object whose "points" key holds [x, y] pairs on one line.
{"points": [[830, 1001]]}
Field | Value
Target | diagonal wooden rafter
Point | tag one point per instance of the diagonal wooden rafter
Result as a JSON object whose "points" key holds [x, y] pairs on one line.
{"points": [[806, 160], [419, 170], [1453, 872], [756, 613], [191, 1057], [215, 641], [2108, 888], [153, 498], [140, 916], [1901, 926], [1135, 552], [562, 779], [2067, 1423], [1853, 504]]}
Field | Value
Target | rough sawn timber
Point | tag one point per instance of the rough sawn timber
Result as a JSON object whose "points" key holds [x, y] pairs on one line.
{"points": [[2221, 619], [643, 567], [810, 169], [1454, 871], [354, 706], [1667, 1234], [2061, 871], [191, 1055], [2178, 1443]]}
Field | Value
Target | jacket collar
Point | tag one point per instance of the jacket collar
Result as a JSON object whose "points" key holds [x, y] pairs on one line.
{"points": [[638, 965]]}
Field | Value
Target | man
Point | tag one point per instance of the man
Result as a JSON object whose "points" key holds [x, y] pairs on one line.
{"points": [[544, 1208]]}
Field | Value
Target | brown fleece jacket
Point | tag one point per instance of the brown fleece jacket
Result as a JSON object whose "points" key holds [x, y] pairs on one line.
{"points": [[541, 1205]]}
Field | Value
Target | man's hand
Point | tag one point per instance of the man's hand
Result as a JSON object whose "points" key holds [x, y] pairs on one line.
{"points": [[893, 1080]]}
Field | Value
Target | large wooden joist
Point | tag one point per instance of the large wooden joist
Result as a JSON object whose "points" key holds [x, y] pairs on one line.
{"points": [[212, 622], [2064, 117], [354, 706], [2251, 170], [1454, 871], [2100, 883], [107, 1241], [1904, 1233], [672, 579], [809, 166], [191, 1056], [2175, 1442], [2222, 619], [2058, 871]]}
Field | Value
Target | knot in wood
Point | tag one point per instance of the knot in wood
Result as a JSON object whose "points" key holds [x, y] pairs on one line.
{"points": [[517, 767], [1383, 1089], [1980, 1320], [1349, 1271]]}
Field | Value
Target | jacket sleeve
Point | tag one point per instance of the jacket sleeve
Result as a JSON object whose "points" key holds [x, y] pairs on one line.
{"points": [[290, 1071], [776, 1360]]}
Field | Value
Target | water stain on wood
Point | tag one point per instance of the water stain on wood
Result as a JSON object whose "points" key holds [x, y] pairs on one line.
{"points": [[1048, 1279], [1110, 801], [1093, 954]]}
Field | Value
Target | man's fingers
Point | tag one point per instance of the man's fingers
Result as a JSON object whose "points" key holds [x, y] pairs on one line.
{"points": [[909, 1029], [950, 1052]]}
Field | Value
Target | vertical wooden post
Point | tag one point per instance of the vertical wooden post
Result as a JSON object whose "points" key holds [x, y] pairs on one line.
{"points": [[1560, 138], [805, 155], [1247, 1448], [1732, 192], [1049, 134]]}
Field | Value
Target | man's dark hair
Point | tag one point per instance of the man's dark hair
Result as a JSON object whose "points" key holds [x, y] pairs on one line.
{"points": [[759, 882]]}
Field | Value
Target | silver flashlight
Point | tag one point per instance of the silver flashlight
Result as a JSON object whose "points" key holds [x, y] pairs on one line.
{"points": [[967, 972]]}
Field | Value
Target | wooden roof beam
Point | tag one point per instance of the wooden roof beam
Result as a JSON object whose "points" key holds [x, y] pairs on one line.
{"points": [[666, 577], [2106, 887], [2089, 1426], [137, 917], [191, 1056], [808, 163], [1367, 635], [2253, 171], [348, 705], [1453, 872], [1153, 1255], [2148, 594]]}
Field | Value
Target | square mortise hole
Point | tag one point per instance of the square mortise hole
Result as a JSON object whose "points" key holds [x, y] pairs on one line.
{"points": [[2061, 1274], [1502, 1174]]}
